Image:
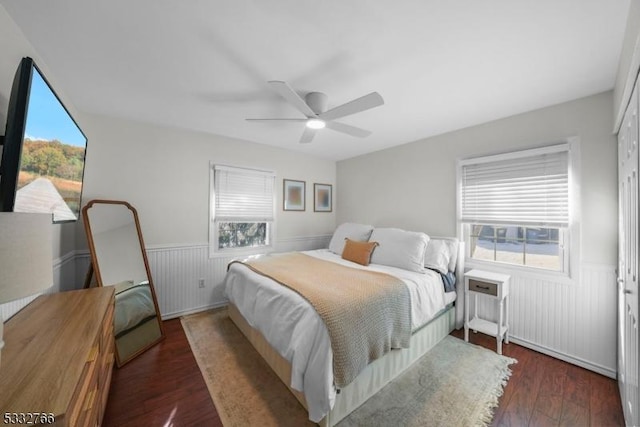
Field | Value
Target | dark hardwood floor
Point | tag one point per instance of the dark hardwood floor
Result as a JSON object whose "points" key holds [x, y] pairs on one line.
{"points": [[164, 387], [544, 391]]}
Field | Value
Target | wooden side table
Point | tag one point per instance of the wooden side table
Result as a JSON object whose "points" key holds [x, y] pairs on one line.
{"points": [[492, 285]]}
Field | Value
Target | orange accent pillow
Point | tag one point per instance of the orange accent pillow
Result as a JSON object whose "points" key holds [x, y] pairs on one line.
{"points": [[359, 252]]}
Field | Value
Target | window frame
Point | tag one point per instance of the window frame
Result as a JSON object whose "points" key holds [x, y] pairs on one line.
{"points": [[571, 233], [214, 235], [563, 243]]}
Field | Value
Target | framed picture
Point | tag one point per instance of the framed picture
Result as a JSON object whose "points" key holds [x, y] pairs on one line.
{"points": [[293, 195], [322, 197]]}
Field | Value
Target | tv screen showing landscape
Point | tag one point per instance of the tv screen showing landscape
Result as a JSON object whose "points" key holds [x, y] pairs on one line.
{"points": [[52, 158]]}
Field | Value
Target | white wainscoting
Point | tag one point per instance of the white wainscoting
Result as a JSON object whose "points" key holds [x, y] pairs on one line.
{"points": [[176, 271], [575, 322], [572, 321]]}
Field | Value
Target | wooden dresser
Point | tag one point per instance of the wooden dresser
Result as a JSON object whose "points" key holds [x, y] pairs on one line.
{"points": [[57, 361]]}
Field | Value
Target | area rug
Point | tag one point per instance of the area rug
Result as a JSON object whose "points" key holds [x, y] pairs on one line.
{"points": [[455, 384]]}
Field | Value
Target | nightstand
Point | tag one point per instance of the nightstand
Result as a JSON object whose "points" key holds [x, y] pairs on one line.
{"points": [[491, 285]]}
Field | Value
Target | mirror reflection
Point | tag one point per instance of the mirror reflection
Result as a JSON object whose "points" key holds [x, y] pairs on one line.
{"points": [[119, 259]]}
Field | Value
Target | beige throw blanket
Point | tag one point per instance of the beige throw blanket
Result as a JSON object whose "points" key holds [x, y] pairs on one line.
{"points": [[366, 313]]}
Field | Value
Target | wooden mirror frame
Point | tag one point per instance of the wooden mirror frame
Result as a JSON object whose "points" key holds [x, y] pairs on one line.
{"points": [[95, 268]]}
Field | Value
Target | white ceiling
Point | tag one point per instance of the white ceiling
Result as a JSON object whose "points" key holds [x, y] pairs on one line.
{"points": [[439, 65]]}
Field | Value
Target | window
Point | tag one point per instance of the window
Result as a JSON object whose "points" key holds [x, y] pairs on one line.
{"points": [[514, 208], [242, 208]]}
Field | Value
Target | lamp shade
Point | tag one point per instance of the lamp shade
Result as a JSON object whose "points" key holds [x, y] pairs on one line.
{"points": [[26, 254]]}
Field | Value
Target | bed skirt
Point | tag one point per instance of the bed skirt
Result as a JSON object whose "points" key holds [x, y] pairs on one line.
{"points": [[371, 379]]}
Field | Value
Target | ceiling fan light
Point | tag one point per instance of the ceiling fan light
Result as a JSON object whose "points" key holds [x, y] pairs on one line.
{"points": [[315, 124]]}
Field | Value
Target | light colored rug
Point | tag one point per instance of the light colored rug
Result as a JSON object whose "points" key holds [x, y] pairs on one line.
{"points": [[455, 384]]}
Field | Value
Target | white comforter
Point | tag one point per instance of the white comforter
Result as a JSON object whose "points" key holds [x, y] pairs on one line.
{"points": [[294, 329]]}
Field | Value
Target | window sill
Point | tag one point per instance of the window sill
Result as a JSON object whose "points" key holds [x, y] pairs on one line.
{"points": [[238, 252], [517, 270]]}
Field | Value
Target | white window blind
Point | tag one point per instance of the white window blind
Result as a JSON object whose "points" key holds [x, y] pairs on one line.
{"points": [[525, 188], [243, 195]]}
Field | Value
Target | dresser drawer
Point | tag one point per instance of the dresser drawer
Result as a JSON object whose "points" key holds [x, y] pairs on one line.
{"points": [[61, 356], [483, 287]]}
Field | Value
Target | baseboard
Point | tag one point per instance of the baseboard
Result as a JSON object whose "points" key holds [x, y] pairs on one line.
{"points": [[175, 314], [602, 370]]}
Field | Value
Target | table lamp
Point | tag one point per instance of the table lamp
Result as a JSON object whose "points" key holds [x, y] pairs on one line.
{"points": [[26, 256]]}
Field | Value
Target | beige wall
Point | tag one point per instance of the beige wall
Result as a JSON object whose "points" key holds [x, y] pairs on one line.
{"points": [[413, 186], [164, 173]]}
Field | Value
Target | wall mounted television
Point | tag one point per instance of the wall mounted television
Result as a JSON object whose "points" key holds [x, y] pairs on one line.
{"points": [[43, 151]]}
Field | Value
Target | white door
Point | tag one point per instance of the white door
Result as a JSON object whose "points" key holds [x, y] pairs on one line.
{"points": [[628, 264]]}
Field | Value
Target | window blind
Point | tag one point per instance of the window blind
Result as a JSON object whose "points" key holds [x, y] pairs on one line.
{"points": [[526, 189], [243, 195]]}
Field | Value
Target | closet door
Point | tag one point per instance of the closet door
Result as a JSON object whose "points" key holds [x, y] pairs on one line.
{"points": [[628, 263]]}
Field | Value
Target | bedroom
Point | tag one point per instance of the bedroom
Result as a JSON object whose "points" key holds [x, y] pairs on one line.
{"points": [[135, 152]]}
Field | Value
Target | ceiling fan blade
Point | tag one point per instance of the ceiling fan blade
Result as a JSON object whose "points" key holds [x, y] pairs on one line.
{"points": [[276, 120], [285, 91], [348, 129], [361, 104], [307, 135]]}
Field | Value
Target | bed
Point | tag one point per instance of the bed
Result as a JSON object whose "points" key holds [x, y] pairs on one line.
{"points": [[289, 334]]}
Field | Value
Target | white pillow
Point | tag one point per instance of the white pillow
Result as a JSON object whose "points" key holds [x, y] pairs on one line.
{"points": [[352, 231], [453, 251], [399, 248], [437, 255]]}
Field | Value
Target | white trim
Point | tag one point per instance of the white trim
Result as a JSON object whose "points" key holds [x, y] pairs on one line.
{"points": [[243, 251], [530, 152], [169, 246], [603, 370], [571, 267], [274, 247], [176, 246], [214, 251], [629, 84], [82, 253], [520, 270], [181, 313], [304, 238], [68, 257], [573, 262], [257, 171]]}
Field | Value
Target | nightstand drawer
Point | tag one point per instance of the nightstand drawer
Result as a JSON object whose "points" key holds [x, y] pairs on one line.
{"points": [[483, 287]]}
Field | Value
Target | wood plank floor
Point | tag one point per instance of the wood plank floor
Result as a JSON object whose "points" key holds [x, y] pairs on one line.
{"points": [[164, 387], [161, 387], [544, 391]]}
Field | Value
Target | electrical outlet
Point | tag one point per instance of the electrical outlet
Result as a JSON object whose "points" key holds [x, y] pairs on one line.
{"points": [[201, 283]]}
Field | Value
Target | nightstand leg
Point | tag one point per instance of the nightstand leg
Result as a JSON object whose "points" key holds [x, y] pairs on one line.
{"points": [[466, 316], [475, 306], [500, 320], [506, 320]]}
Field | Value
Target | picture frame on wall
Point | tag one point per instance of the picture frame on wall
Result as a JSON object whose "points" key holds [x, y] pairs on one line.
{"points": [[323, 198], [293, 198]]}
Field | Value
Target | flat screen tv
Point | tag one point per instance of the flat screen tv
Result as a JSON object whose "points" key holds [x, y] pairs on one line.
{"points": [[43, 151]]}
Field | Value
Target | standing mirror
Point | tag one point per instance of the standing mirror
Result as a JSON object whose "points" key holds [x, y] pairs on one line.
{"points": [[118, 259]]}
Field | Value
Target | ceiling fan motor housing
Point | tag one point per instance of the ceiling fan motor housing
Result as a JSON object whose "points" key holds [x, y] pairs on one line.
{"points": [[317, 101], [314, 108]]}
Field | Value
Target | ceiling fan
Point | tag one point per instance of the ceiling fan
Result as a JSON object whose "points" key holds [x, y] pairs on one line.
{"points": [[314, 107]]}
